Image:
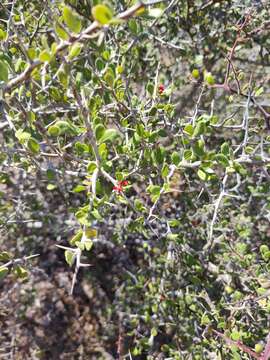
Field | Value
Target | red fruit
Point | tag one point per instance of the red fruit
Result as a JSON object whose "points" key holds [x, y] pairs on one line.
{"points": [[161, 89], [123, 183], [118, 189]]}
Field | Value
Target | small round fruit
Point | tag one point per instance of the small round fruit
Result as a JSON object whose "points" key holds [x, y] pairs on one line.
{"points": [[195, 73], [209, 78], [258, 348]]}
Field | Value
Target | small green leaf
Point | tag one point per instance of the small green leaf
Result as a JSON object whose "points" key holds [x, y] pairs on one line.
{"points": [[88, 245], [235, 335], [264, 249], [70, 257], [54, 130], [3, 71], [199, 129], [102, 14], [187, 154], [3, 35], [91, 233], [198, 148], [132, 24], [45, 56], [138, 205], [188, 129], [202, 175], [22, 136], [79, 188], [96, 214], [5, 256], [20, 272], [74, 50], [31, 52], [109, 78], [222, 160], [99, 131], [3, 272], [91, 167], [33, 145], [51, 187], [225, 149], [154, 189], [175, 158], [76, 237], [165, 171], [72, 20], [109, 135], [61, 32]]}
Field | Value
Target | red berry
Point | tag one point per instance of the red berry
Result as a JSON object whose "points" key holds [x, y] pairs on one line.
{"points": [[123, 183], [161, 89], [118, 189]]}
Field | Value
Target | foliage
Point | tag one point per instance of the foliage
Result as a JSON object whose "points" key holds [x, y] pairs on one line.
{"points": [[134, 136]]}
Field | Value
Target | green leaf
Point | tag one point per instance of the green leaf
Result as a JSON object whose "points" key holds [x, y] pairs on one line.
{"points": [[202, 175], [72, 20], [187, 154], [99, 131], [22, 136], [198, 148], [79, 188], [54, 130], [165, 171], [158, 155], [77, 237], [33, 145], [51, 187], [70, 257], [65, 127], [91, 167], [3, 272], [109, 78], [199, 129], [225, 149], [139, 205], [109, 135], [154, 189], [102, 14], [264, 249], [31, 52], [176, 158], [74, 50], [96, 214], [222, 160], [20, 272], [91, 233], [132, 24], [5, 256], [3, 35], [88, 245], [45, 56], [61, 32], [188, 129], [235, 335], [3, 71]]}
